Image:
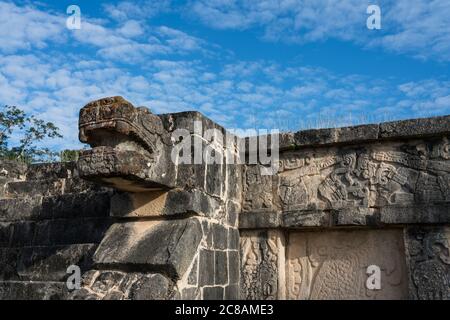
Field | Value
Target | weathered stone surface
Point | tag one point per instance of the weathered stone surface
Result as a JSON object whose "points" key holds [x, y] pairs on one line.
{"points": [[87, 204], [6, 231], [233, 239], [354, 134], [51, 171], [118, 285], [286, 141], [23, 234], [233, 209], [69, 231], [17, 290], [415, 127], [361, 133], [305, 218], [187, 120], [163, 203], [8, 263], [220, 268], [220, 236], [12, 170], [255, 220], [13, 209], [341, 178], [213, 293], [129, 146], [232, 292], [428, 252], [433, 213], [153, 287], [167, 246], [206, 276], [51, 263], [193, 274], [356, 216], [259, 264], [43, 263], [258, 190], [53, 232], [191, 294], [47, 187], [233, 267], [333, 265]]}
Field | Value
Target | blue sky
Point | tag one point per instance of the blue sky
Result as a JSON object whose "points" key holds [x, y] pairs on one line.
{"points": [[285, 64]]}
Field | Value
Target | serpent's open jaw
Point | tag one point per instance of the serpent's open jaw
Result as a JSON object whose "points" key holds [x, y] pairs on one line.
{"points": [[121, 149]]}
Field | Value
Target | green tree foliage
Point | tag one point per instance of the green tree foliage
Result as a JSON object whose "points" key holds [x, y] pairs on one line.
{"points": [[69, 155], [31, 131]]}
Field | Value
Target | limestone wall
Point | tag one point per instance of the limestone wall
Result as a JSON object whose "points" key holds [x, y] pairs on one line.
{"points": [[345, 199], [49, 219], [143, 224]]}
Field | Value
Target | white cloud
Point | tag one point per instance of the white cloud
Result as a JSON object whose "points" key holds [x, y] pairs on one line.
{"points": [[27, 28], [131, 41], [131, 28], [136, 9], [56, 84], [420, 28]]}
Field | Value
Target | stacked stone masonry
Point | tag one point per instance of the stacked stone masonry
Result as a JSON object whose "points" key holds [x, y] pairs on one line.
{"points": [[142, 223]]}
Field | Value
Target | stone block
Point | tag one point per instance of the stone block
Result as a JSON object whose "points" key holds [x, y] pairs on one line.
{"points": [[168, 245], [6, 231], [355, 134], [263, 219], [14, 209], [305, 218], [415, 127], [151, 287], [426, 214], [213, 293], [23, 234], [206, 265], [8, 263], [233, 267], [18, 290], [70, 231], [191, 294], [220, 236], [51, 263], [77, 205], [233, 239], [220, 267], [163, 203], [50, 171], [12, 170], [233, 211], [193, 275], [232, 292]]}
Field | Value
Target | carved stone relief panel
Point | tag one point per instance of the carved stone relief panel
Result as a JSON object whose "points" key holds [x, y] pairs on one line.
{"points": [[258, 190], [333, 264], [373, 175], [261, 254], [428, 251]]}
